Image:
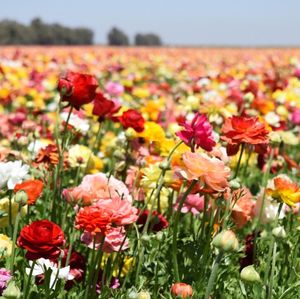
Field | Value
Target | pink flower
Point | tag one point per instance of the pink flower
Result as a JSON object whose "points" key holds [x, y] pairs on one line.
{"points": [[194, 203], [296, 117], [96, 186], [121, 211], [113, 242], [114, 88], [198, 133], [211, 171]]}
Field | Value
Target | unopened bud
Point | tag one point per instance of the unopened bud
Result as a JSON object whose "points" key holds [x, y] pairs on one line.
{"points": [[235, 184], [21, 197], [12, 291], [249, 274], [226, 240], [143, 295], [165, 165], [279, 232], [119, 155], [121, 166]]}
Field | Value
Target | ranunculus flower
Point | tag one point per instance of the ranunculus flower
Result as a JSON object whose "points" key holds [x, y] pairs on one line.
{"points": [[132, 119], [157, 222], [5, 277], [198, 133], [77, 89], [104, 107], [33, 189], [113, 241], [248, 130], [96, 186], [114, 88], [181, 289], [296, 117], [243, 209], [41, 239], [99, 217], [194, 203], [211, 171], [285, 190]]}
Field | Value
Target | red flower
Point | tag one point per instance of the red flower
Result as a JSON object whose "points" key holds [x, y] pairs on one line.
{"points": [[41, 238], [104, 107], [157, 222], [77, 89], [248, 130], [33, 189], [132, 119], [198, 133]]}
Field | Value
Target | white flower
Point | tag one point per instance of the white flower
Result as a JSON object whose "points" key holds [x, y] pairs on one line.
{"points": [[75, 121], [35, 146], [12, 173], [272, 119], [42, 265]]}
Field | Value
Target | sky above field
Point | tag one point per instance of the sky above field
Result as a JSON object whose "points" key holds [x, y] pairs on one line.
{"points": [[178, 22]]}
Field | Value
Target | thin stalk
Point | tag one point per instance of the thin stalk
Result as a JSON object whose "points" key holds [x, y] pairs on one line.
{"points": [[270, 288], [213, 275], [26, 292]]}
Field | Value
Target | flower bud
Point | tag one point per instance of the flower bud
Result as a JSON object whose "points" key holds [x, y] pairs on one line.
{"points": [[21, 197], [226, 240], [279, 232], [165, 165], [12, 291], [235, 184], [249, 274], [119, 155], [121, 166], [181, 289], [143, 295], [145, 238]]}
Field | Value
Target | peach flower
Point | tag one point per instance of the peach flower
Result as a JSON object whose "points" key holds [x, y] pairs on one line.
{"points": [[96, 186], [211, 171], [243, 209]]}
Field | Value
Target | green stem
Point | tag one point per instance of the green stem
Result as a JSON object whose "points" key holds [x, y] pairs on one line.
{"points": [[26, 292], [12, 258], [213, 275], [239, 161], [175, 229], [270, 288]]}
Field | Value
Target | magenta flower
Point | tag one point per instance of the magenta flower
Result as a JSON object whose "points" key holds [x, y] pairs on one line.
{"points": [[296, 117], [198, 133]]}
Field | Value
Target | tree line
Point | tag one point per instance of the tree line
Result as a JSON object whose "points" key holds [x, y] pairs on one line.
{"points": [[41, 33]]}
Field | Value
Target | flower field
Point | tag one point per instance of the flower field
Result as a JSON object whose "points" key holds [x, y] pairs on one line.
{"points": [[149, 173]]}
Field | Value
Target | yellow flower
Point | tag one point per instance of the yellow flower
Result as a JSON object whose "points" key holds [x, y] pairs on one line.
{"points": [[285, 190], [153, 132], [4, 210], [141, 93], [5, 245], [127, 262]]}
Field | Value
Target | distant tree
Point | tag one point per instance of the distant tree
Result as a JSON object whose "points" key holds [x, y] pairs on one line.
{"points": [[149, 39], [38, 32], [116, 37]]}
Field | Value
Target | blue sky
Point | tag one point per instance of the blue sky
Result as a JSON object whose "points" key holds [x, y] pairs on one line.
{"points": [[179, 22]]}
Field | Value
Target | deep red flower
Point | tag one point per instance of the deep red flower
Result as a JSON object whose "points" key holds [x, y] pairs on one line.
{"points": [[132, 119], [33, 189], [248, 130], [198, 133], [104, 107], [41, 238], [157, 222], [77, 89]]}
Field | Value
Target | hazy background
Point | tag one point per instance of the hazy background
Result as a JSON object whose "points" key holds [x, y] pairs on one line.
{"points": [[178, 22]]}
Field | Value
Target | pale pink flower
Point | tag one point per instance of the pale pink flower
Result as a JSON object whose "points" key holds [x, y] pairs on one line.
{"points": [[114, 241], [95, 187], [114, 88]]}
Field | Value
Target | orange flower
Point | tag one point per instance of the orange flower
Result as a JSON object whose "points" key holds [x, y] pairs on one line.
{"points": [[209, 170], [33, 189], [93, 219], [182, 289], [248, 130], [286, 191]]}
